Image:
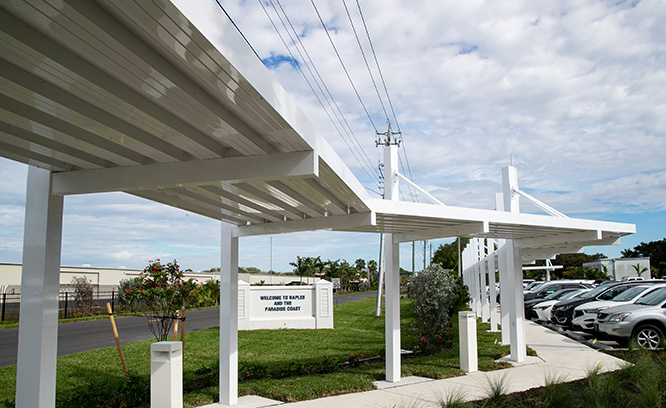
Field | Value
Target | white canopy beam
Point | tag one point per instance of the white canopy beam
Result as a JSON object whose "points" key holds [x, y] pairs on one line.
{"points": [[337, 222], [460, 230], [299, 164], [575, 237]]}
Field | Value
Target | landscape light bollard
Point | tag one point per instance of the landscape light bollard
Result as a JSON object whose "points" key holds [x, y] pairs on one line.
{"points": [[166, 374], [469, 360]]}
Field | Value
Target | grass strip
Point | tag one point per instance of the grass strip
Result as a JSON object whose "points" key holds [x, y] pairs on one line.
{"points": [[88, 377]]}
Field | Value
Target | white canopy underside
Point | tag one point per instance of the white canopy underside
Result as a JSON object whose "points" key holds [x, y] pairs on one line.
{"points": [[124, 96]]}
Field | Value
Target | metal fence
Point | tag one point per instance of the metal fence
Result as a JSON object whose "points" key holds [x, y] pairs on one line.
{"points": [[10, 304]]}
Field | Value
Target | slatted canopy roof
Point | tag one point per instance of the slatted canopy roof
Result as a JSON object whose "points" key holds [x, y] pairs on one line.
{"points": [[130, 96]]}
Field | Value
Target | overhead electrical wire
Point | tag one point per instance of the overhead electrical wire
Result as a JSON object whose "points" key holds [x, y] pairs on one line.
{"points": [[311, 63], [321, 20], [342, 126], [358, 41], [383, 81], [317, 83]]}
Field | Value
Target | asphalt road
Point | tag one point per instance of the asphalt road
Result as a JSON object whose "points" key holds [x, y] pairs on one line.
{"points": [[93, 334]]}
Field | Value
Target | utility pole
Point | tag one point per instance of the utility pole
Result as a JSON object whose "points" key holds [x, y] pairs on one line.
{"points": [[390, 143], [425, 246]]}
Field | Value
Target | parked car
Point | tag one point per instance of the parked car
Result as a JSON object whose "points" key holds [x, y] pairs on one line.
{"points": [[556, 296], [585, 314], [553, 286], [532, 285], [562, 312], [544, 308], [644, 321]]}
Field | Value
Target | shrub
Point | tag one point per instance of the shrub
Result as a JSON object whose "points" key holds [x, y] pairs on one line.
{"points": [[163, 291], [124, 289], [83, 295], [437, 293]]}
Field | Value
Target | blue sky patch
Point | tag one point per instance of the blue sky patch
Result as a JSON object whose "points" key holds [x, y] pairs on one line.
{"points": [[275, 61]]}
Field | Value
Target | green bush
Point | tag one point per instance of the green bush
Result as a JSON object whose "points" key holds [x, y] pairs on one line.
{"points": [[436, 293]]}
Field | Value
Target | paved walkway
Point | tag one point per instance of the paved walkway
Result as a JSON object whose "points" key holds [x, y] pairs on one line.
{"points": [[560, 359]]}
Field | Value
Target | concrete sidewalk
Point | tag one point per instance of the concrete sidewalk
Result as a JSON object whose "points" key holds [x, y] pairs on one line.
{"points": [[560, 359]]}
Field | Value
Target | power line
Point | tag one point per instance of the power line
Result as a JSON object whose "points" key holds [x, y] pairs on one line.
{"points": [[381, 75], [321, 20], [372, 77], [388, 96], [237, 28], [319, 85]]}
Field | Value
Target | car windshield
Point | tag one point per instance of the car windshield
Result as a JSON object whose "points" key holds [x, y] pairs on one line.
{"points": [[534, 285], [571, 294], [653, 298], [629, 294], [594, 292], [556, 295]]}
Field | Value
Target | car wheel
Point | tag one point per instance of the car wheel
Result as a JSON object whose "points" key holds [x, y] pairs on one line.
{"points": [[649, 337]]}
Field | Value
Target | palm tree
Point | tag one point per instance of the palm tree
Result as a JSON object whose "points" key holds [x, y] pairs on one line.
{"points": [[639, 270]]}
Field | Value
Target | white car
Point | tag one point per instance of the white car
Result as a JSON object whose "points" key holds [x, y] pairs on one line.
{"points": [[585, 314], [543, 309]]}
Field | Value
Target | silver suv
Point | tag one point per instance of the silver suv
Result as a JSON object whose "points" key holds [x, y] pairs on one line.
{"points": [[643, 321]]}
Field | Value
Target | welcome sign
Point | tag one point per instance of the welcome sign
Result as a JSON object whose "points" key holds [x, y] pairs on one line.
{"points": [[284, 307]]}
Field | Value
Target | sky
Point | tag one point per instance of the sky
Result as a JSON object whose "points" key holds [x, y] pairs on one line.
{"points": [[569, 92]]}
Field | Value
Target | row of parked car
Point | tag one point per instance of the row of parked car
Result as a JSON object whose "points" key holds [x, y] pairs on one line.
{"points": [[622, 311]]}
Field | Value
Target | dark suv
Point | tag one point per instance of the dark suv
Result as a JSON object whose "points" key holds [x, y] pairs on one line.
{"points": [[552, 287], [562, 312]]}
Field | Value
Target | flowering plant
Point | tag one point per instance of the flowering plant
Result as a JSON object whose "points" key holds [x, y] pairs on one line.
{"points": [[163, 290]]}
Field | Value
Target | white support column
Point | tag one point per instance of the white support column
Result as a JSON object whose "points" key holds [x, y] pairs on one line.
{"points": [[477, 277], [392, 330], [392, 266], [514, 271], [229, 317], [483, 273], [516, 304], [505, 320], [490, 244], [38, 323], [503, 277]]}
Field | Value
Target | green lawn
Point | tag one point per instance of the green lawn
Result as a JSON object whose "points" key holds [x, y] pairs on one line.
{"points": [[263, 355]]}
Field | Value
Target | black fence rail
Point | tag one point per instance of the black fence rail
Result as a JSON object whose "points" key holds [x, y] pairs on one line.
{"points": [[10, 304]]}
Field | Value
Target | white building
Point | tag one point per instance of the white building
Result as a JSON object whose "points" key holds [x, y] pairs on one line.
{"points": [[619, 268], [107, 279]]}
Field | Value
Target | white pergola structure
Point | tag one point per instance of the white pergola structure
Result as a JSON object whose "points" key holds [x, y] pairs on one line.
{"points": [[129, 96]]}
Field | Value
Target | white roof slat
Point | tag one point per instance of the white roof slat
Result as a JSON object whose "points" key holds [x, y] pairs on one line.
{"points": [[182, 84], [112, 66], [207, 64]]}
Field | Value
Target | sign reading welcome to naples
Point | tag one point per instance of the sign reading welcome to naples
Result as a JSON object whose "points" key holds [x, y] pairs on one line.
{"points": [[285, 307], [283, 303], [292, 302]]}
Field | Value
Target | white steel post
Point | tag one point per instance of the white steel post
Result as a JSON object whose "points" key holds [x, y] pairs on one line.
{"points": [[229, 317], [485, 308], [490, 244], [40, 281], [515, 271], [392, 273], [503, 278]]}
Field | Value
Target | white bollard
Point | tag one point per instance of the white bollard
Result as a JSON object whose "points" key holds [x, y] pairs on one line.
{"points": [[469, 360], [166, 374]]}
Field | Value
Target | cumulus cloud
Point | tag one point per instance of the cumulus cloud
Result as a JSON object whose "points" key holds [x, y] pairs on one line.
{"points": [[569, 92]]}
